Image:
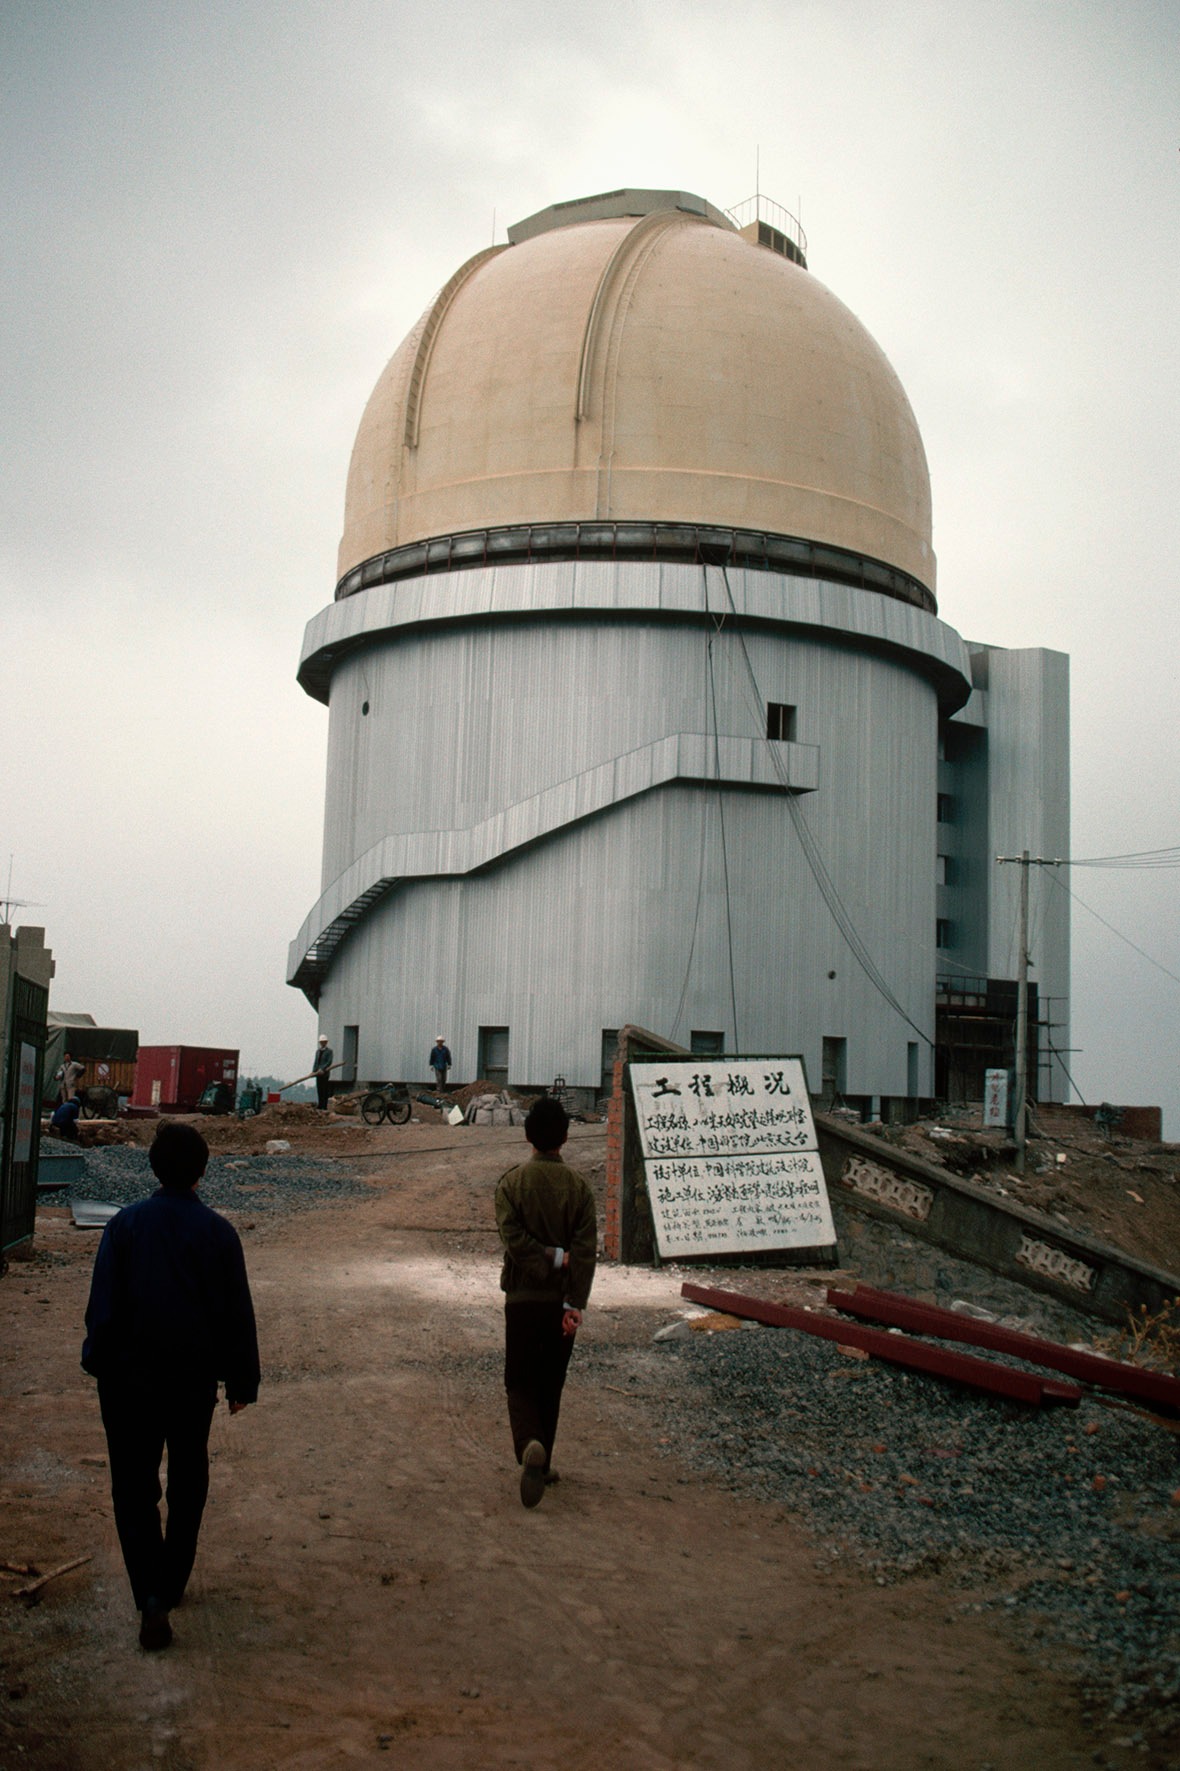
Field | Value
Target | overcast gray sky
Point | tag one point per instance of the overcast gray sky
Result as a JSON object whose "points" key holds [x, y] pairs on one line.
{"points": [[222, 218]]}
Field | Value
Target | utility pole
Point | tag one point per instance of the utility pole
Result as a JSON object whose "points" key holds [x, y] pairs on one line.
{"points": [[1020, 1102], [1020, 1105]]}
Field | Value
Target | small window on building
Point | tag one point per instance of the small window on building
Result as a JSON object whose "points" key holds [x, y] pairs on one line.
{"points": [[834, 1079], [710, 1045], [942, 932], [945, 870], [780, 720], [946, 809]]}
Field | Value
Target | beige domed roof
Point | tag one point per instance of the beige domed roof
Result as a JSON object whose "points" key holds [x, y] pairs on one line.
{"points": [[652, 368]]}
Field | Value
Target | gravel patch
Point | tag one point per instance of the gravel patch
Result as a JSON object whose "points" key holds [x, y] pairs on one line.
{"points": [[1059, 1519], [237, 1185]]}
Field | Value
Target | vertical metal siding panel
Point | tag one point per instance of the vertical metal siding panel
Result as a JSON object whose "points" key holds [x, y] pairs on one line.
{"points": [[594, 926], [1027, 806]]}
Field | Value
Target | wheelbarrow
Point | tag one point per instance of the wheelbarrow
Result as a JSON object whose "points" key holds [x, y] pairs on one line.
{"points": [[388, 1104]]}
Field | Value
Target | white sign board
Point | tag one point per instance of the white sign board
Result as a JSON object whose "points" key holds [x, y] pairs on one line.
{"points": [[731, 1156], [26, 1104], [995, 1097]]}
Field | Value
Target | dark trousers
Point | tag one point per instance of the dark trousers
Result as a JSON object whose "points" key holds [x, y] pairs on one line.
{"points": [[141, 1420], [536, 1358], [323, 1084]]}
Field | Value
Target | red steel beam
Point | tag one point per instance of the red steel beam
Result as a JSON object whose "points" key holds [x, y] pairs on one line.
{"points": [[982, 1374], [1155, 1387]]}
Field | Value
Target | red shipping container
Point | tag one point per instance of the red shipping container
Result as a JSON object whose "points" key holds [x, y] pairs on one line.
{"points": [[172, 1078]]}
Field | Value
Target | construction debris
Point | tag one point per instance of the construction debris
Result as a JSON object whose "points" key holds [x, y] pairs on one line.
{"points": [[928, 1319], [92, 1214], [497, 1109], [897, 1349], [31, 1593]]}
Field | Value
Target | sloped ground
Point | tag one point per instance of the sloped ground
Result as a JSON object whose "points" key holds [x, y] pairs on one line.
{"points": [[1121, 1190]]}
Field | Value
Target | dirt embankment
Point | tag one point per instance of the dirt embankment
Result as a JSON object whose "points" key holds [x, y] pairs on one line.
{"points": [[1122, 1190]]}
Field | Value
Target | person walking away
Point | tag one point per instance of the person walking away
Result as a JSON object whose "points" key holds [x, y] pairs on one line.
{"points": [[321, 1071], [549, 1230], [169, 1317], [440, 1063]]}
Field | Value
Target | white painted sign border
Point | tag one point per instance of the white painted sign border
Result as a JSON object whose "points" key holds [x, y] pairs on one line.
{"points": [[730, 1155]]}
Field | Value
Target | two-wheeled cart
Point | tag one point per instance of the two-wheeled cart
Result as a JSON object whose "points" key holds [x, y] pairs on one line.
{"points": [[389, 1104]]}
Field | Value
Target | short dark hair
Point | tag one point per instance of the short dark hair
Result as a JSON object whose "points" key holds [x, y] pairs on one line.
{"points": [[547, 1125], [179, 1155]]}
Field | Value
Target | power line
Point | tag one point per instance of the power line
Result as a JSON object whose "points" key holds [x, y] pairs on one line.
{"points": [[1144, 858], [1143, 954], [696, 919], [710, 720], [724, 851], [815, 860]]}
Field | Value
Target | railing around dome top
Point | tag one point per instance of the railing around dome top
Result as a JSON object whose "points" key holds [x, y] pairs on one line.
{"points": [[678, 543], [791, 241]]}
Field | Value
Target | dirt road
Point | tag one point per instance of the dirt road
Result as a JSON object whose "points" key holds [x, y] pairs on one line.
{"points": [[368, 1583]]}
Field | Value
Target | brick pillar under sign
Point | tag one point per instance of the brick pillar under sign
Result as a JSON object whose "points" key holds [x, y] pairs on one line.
{"points": [[629, 1236]]}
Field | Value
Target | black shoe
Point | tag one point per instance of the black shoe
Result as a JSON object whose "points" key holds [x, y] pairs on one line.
{"points": [[155, 1632]]}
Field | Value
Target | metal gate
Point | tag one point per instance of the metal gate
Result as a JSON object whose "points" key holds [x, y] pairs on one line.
{"points": [[22, 1112]]}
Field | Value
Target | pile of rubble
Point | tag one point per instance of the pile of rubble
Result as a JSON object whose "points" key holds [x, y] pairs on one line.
{"points": [[1123, 1190], [99, 1133], [493, 1109]]}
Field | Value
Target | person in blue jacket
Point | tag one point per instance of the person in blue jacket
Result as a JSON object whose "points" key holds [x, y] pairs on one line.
{"points": [[65, 1119], [169, 1317], [440, 1062]]}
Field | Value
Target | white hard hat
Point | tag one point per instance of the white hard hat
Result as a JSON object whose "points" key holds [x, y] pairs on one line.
{"points": [[323, 1039]]}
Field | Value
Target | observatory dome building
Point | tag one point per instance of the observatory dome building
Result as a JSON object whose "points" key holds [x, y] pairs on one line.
{"points": [[640, 709]]}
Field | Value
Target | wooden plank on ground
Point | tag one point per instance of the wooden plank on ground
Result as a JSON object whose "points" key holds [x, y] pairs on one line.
{"points": [[1090, 1368], [898, 1349], [32, 1592]]}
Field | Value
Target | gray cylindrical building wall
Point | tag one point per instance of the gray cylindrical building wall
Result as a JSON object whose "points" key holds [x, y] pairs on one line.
{"points": [[615, 905]]}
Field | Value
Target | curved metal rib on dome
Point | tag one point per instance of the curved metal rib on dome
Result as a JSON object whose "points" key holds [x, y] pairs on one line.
{"points": [[626, 261], [685, 756], [430, 331]]}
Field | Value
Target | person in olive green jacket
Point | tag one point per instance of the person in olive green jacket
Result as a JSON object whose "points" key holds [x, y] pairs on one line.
{"points": [[548, 1226]]}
